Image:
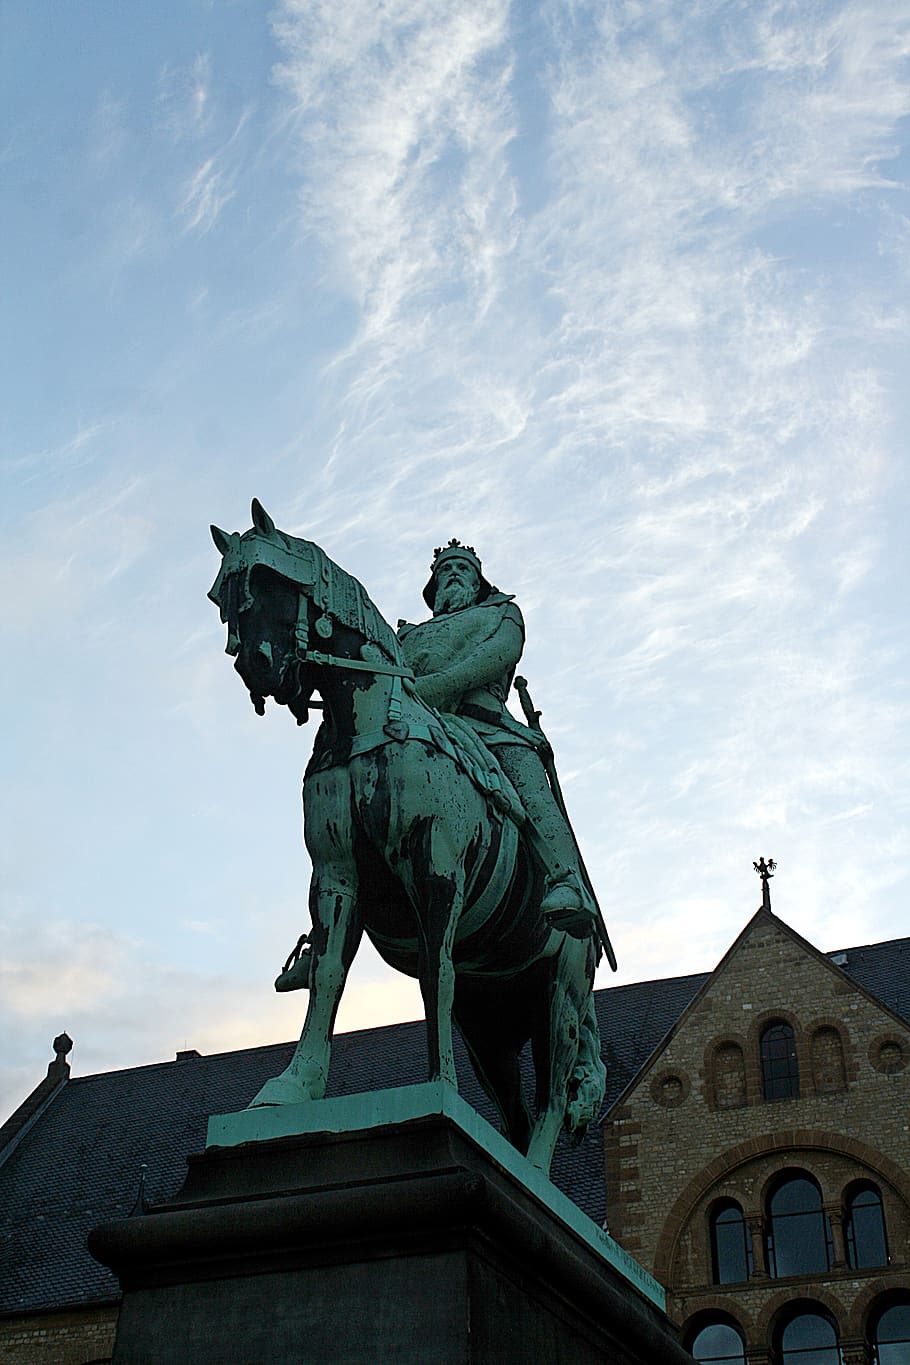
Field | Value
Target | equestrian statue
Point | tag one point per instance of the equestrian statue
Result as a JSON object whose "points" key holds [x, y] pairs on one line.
{"points": [[434, 823]]}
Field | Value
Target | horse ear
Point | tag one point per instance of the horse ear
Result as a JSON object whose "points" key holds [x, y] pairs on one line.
{"points": [[261, 519], [221, 538]]}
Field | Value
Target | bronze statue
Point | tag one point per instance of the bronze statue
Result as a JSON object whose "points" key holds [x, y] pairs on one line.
{"points": [[461, 870], [464, 661]]}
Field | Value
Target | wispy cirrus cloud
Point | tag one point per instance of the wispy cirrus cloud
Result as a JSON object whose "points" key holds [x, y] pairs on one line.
{"points": [[214, 182], [615, 293], [402, 117], [655, 368], [185, 98]]}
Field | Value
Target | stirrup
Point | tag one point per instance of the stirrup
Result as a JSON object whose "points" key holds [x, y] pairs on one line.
{"points": [[295, 975]]}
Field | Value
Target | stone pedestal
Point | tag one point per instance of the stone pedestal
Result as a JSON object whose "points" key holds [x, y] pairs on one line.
{"points": [[395, 1226]]}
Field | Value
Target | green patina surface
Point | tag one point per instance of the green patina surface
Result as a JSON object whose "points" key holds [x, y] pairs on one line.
{"points": [[378, 1108], [434, 823]]}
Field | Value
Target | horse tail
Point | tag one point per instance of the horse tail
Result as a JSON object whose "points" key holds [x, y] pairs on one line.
{"points": [[589, 1077]]}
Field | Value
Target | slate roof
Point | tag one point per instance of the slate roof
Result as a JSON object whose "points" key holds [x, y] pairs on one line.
{"points": [[79, 1163]]}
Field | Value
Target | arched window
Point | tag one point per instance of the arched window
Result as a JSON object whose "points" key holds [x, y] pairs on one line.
{"points": [[809, 1338], [891, 1336], [799, 1233], [718, 1343], [729, 1076], [731, 1245], [779, 1068], [828, 1070], [865, 1228]]}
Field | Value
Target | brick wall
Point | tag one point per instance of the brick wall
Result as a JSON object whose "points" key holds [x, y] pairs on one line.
{"points": [[695, 1128], [76, 1338]]}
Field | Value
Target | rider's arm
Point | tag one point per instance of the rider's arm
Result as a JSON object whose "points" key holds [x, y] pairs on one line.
{"points": [[489, 662]]}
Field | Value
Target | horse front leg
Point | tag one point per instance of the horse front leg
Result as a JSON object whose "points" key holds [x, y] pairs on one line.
{"points": [[438, 898], [336, 934]]}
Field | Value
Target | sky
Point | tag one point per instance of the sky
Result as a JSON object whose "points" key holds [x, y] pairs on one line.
{"points": [[615, 292]]}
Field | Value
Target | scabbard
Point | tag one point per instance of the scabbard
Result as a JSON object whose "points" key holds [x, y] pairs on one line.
{"points": [[603, 936], [546, 756]]}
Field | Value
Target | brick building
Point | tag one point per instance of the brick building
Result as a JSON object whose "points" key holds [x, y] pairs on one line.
{"points": [[759, 1162], [755, 1134]]}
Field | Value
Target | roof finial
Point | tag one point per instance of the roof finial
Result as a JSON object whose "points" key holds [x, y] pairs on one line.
{"points": [[766, 871]]}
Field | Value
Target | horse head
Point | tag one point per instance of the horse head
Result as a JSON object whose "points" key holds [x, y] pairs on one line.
{"points": [[288, 608], [263, 594]]}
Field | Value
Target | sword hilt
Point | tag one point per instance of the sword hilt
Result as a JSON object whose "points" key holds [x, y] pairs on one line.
{"points": [[527, 706]]}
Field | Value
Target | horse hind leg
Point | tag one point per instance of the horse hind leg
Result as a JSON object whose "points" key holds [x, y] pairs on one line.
{"points": [[556, 1053], [497, 1068], [589, 1077], [337, 930]]}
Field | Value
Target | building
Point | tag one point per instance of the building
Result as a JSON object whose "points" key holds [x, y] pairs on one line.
{"points": [[758, 1164], [756, 1144]]}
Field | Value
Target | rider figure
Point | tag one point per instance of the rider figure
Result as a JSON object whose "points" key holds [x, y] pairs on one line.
{"points": [[464, 659]]}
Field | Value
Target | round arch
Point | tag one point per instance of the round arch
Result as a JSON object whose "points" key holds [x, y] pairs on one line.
{"points": [[783, 1305], [791, 1141], [872, 1301], [709, 1317]]}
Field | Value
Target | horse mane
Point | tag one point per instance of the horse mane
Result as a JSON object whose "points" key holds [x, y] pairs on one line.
{"points": [[339, 594]]}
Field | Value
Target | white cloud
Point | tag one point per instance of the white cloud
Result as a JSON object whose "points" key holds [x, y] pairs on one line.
{"points": [[185, 98], [610, 291]]}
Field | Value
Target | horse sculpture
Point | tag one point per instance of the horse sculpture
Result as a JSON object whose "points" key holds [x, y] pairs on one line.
{"points": [[407, 846]]}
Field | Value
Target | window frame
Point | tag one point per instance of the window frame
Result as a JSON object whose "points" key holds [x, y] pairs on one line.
{"points": [[875, 1321], [779, 1061], [805, 1355], [716, 1320], [852, 1194], [783, 1221], [715, 1215]]}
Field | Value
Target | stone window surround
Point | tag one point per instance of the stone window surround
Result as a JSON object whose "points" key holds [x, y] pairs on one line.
{"points": [[670, 1074], [853, 1327], [796, 1149], [750, 1045], [883, 1040]]}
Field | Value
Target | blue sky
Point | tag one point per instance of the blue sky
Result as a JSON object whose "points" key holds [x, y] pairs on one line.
{"points": [[615, 292]]}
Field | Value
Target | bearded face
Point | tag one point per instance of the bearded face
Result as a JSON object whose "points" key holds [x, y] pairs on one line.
{"points": [[457, 586]]}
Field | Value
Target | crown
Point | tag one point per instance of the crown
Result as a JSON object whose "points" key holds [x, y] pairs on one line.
{"points": [[442, 551]]}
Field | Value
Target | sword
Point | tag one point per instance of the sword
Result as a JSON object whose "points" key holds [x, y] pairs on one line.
{"points": [[546, 754]]}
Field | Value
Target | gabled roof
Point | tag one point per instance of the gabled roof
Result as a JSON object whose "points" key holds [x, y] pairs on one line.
{"points": [[79, 1164], [881, 971]]}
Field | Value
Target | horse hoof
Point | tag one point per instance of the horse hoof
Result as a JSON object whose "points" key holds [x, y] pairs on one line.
{"points": [[279, 1090]]}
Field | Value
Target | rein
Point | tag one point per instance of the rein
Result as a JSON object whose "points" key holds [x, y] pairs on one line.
{"points": [[394, 728], [315, 656]]}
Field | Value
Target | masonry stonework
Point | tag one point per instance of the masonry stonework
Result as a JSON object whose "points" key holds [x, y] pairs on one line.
{"points": [[76, 1338], [694, 1128]]}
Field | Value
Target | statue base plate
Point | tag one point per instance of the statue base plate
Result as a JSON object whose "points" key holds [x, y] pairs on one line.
{"points": [[391, 1226]]}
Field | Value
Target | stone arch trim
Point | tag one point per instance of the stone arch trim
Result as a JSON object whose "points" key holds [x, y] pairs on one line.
{"points": [[788, 1140], [709, 1063], [761, 1021], [717, 1305], [778, 1303], [867, 1302], [847, 1052], [713, 1307], [796, 1169]]}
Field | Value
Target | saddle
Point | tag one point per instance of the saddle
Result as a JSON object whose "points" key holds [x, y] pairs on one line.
{"points": [[443, 731]]}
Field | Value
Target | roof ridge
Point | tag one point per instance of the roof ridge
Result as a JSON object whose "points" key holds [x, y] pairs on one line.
{"points": [[862, 947]]}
